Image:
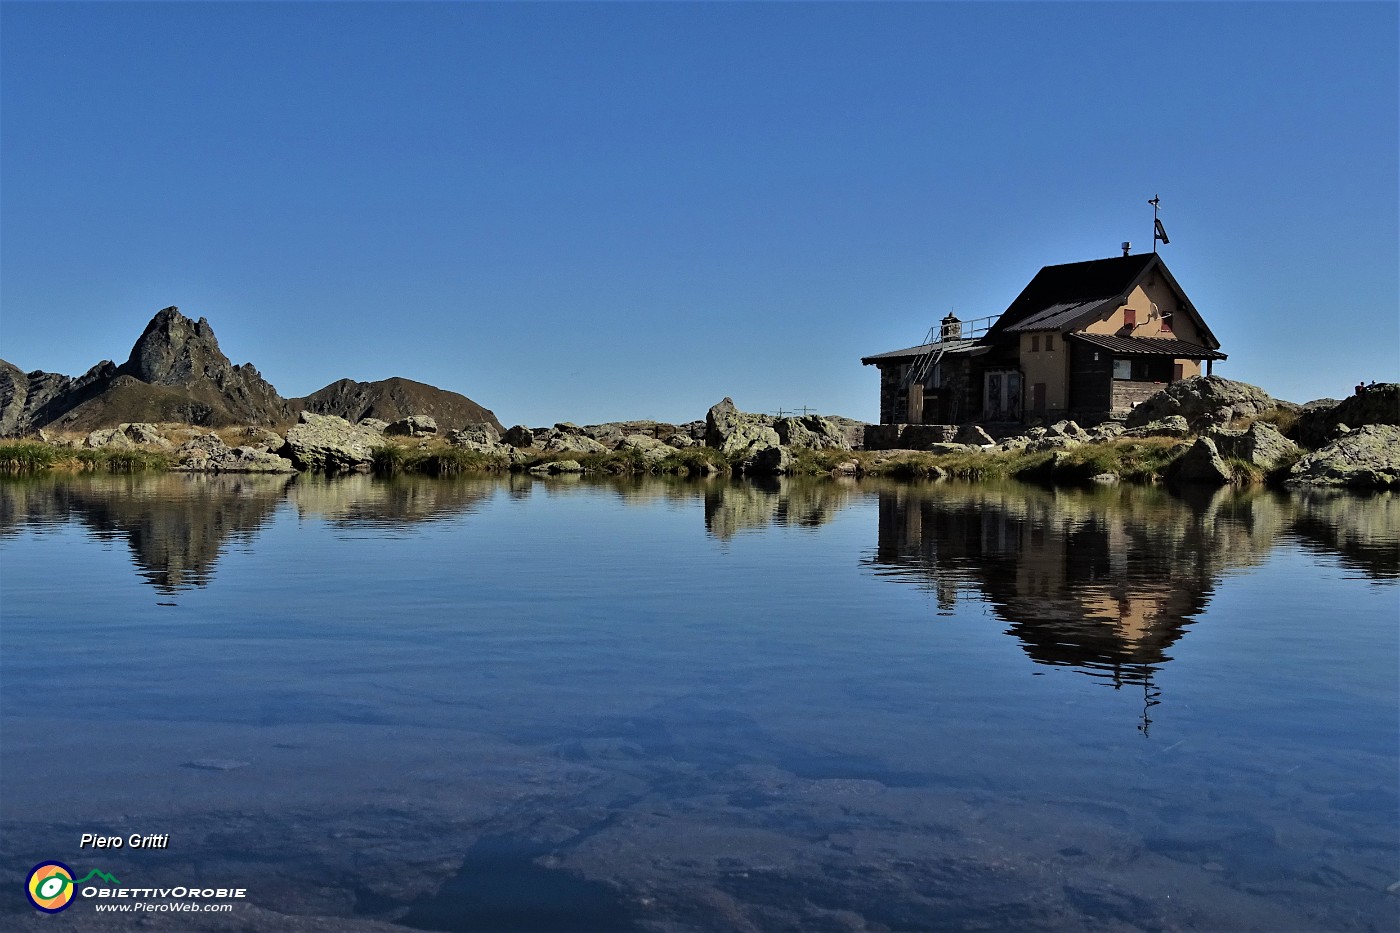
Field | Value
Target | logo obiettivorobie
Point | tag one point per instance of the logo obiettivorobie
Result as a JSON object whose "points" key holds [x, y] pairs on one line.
{"points": [[50, 885]]}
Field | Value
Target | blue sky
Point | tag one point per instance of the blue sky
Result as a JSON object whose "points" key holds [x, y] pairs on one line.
{"points": [[591, 212]]}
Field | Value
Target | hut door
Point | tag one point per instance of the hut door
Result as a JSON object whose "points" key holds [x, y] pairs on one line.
{"points": [[1002, 399]]}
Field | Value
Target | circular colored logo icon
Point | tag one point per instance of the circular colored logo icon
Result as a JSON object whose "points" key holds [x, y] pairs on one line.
{"points": [[50, 886]]}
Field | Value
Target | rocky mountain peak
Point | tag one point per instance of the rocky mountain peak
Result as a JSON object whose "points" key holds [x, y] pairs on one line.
{"points": [[175, 351]]}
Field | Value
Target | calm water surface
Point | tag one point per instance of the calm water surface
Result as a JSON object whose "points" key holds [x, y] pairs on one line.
{"points": [[537, 705]]}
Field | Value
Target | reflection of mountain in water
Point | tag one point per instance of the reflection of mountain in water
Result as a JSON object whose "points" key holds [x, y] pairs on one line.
{"points": [[1104, 581], [357, 501], [176, 526]]}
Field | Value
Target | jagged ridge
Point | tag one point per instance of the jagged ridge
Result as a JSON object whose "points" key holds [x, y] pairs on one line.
{"points": [[177, 373]]}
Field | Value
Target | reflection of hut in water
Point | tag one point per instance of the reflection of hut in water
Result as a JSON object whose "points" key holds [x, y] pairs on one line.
{"points": [[1101, 589]]}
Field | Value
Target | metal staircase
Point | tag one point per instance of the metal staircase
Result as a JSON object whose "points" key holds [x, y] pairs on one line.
{"points": [[950, 334]]}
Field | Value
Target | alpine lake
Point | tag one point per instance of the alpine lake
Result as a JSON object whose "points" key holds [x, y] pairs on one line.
{"points": [[519, 704]]}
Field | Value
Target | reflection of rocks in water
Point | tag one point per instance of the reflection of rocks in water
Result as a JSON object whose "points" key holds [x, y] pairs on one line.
{"points": [[175, 525], [1102, 580], [364, 500], [733, 507], [1364, 530]]}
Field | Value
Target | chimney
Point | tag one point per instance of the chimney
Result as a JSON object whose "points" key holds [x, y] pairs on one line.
{"points": [[1127, 247], [952, 327]]}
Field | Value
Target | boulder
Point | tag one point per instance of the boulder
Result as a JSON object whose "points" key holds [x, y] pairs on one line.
{"points": [[109, 438], [373, 424], [682, 441], [207, 453], [481, 433], [1261, 445], [263, 438], [1204, 401], [1105, 479], [1170, 426], [653, 451], [1377, 404], [555, 467], [1367, 458], [1067, 429], [1202, 463], [974, 435], [251, 460], [1053, 442], [128, 436], [145, 435], [768, 461], [558, 441], [519, 436], [737, 433], [412, 426], [202, 447], [1106, 431], [330, 443], [481, 442], [851, 430], [811, 431]]}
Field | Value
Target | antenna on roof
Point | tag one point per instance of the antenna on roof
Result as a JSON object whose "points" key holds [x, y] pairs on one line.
{"points": [[1158, 231]]}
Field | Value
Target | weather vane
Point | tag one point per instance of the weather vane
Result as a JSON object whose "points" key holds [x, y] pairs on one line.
{"points": [[1158, 231]]}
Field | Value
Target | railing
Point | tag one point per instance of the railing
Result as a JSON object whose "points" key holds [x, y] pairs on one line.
{"points": [[939, 338]]}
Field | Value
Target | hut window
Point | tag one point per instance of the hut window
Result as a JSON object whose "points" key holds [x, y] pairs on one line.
{"points": [[1122, 369], [1035, 343], [1049, 343]]}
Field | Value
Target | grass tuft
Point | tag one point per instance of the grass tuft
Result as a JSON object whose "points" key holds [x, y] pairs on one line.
{"points": [[37, 457]]}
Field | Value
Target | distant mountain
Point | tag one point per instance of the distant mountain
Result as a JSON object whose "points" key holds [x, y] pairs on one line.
{"points": [[392, 399], [176, 372]]}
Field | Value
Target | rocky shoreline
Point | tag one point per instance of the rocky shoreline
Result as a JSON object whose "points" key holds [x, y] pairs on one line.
{"points": [[178, 403], [1205, 430]]}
